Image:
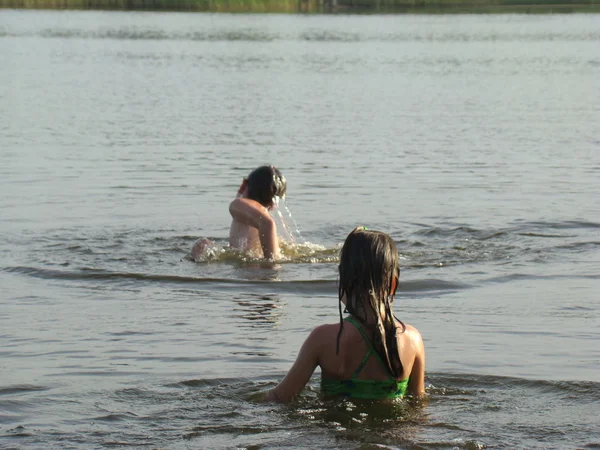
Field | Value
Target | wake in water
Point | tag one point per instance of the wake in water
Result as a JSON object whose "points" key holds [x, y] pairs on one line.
{"points": [[227, 410], [291, 252]]}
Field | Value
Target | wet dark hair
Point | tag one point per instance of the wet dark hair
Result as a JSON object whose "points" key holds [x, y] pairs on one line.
{"points": [[266, 183], [367, 271]]}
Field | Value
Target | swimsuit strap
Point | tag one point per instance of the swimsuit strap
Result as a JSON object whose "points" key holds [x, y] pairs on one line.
{"points": [[371, 351]]}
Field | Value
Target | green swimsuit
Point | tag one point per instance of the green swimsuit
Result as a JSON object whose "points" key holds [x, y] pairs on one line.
{"points": [[365, 389]]}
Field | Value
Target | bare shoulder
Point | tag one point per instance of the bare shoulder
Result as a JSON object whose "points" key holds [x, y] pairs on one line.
{"points": [[247, 202], [240, 202], [322, 332], [413, 336], [318, 340], [235, 204], [248, 211], [321, 341]]}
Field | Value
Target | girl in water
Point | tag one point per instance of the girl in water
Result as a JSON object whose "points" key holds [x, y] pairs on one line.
{"points": [[370, 354], [252, 228]]}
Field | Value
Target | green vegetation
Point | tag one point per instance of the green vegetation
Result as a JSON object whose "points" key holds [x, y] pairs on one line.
{"points": [[170, 5], [317, 6], [469, 6]]}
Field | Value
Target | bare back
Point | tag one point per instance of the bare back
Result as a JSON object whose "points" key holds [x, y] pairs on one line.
{"points": [[253, 229], [353, 349], [319, 349], [244, 237]]}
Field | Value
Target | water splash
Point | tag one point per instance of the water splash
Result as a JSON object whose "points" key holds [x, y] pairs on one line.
{"points": [[289, 227], [308, 252], [219, 251], [296, 230], [283, 230]]}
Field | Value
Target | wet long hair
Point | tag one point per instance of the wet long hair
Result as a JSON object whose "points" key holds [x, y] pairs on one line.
{"points": [[368, 278], [264, 184]]}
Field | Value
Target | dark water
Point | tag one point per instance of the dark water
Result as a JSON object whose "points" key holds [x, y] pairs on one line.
{"points": [[472, 140]]}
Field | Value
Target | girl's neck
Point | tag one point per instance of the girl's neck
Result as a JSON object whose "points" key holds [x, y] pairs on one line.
{"points": [[369, 320]]}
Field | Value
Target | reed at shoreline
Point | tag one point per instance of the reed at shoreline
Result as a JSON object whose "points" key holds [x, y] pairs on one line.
{"points": [[316, 6], [282, 6]]}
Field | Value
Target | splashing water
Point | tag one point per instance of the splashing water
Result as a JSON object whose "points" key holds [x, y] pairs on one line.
{"points": [[290, 217], [282, 227], [290, 231], [219, 251], [294, 248]]}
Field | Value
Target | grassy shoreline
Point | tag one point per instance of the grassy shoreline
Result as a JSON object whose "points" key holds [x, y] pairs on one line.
{"points": [[318, 6]]}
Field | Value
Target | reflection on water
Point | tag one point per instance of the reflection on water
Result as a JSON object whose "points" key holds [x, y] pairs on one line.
{"points": [[258, 271], [258, 310], [396, 423], [251, 29]]}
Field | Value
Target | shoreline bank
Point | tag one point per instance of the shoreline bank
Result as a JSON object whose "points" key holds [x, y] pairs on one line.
{"points": [[316, 6]]}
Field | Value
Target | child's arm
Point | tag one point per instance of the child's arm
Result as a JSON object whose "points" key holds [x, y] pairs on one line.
{"points": [[301, 371], [242, 189], [254, 214], [416, 384]]}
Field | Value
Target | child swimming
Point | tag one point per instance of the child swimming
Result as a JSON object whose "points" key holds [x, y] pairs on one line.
{"points": [[370, 354], [252, 228]]}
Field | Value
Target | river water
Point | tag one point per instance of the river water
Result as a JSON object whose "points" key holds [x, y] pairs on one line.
{"points": [[473, 140]]}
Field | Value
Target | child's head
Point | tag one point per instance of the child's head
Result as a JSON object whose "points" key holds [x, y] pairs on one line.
{"points": [[368, 277], [264, 184], [368, 270]]}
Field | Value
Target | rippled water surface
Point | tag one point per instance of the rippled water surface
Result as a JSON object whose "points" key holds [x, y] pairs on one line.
{"points": [[472, 140]]}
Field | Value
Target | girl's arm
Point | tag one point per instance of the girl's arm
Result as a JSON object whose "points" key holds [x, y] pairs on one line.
{"points": [[252, 213], [416, 383], [301, 371], [242, 189]]}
